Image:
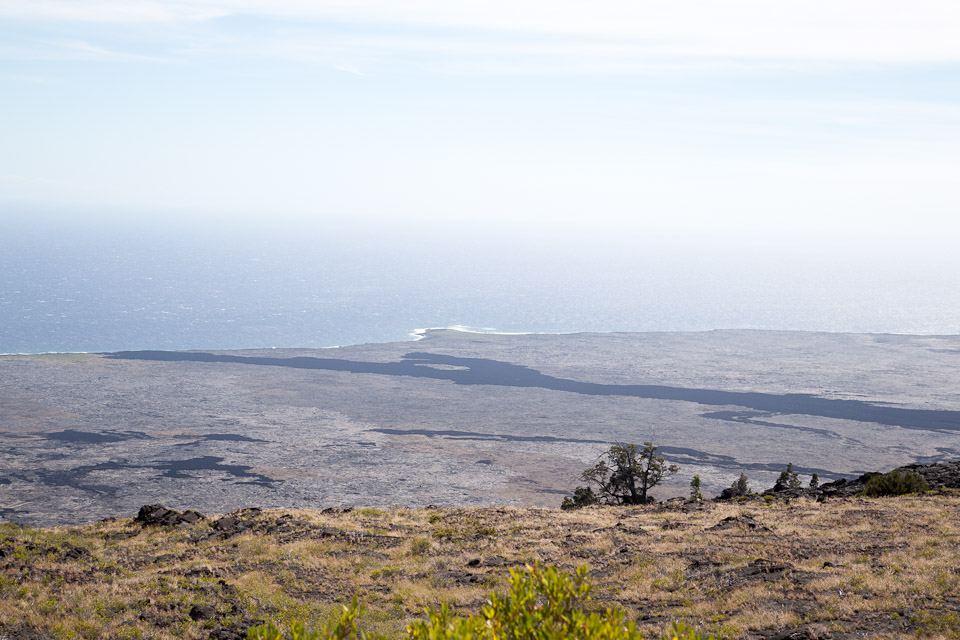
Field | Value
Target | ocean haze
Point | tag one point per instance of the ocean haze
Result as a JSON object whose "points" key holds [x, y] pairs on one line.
{"points": [[70, 285]]}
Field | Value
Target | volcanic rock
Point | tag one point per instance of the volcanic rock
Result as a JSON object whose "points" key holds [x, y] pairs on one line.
{"points": [[159, 515], [202, 612]]}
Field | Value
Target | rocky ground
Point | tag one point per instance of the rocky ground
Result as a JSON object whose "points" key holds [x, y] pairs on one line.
{"points": [[765, 568], [939, 476]]}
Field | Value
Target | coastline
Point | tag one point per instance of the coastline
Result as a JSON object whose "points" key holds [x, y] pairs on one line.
{"points": [[417, 335]]}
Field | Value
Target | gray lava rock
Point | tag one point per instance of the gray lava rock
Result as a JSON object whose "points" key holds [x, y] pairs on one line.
{"points": [[794, 634], [236, 630], [73, 552], [739, 522], [202, 612], [232, 525], [456, 576], [159, 515]]}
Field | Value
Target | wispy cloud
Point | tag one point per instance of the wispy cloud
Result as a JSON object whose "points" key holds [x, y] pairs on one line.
{"points": [[836, 30], [82, 50], [348, 68], [71, 49]]}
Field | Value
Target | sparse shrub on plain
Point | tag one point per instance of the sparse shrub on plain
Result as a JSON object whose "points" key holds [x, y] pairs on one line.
{"points": [[419, 546], [895, 483], [789, 479], [441, 533], [814, 481], [740, 486], [345, 627], [695, 493], [543, 604], [582, 497]]}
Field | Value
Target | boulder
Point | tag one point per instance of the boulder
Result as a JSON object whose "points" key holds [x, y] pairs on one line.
{"points": [[202, 612], [73, 552], [739, 522], [794, 634], [159, 515]]}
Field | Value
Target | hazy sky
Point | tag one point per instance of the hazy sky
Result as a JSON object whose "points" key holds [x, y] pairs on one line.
{"points": [[812, 115]]}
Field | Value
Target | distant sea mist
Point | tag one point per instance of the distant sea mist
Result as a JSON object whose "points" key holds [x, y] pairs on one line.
{"points": [[70, 286]]}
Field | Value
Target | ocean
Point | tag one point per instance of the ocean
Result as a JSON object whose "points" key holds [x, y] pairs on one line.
{"points": [[69, 286]]}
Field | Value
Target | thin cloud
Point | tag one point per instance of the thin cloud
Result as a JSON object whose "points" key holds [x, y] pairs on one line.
{"points": [[72, 49], [348, 68], [836, 30], [89, 51]]}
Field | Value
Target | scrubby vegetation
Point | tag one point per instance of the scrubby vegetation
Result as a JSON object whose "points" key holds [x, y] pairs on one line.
{"points": [[788, 479], [582, 497], [858, 567], [895, 483], [542, 604]]}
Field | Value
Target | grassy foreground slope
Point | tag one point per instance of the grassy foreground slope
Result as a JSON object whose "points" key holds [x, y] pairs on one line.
{"points": [[885, 567]]}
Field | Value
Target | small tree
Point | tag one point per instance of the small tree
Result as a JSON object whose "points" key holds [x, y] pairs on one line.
{"points": [[626, 473], [740, 486], [814, 481], [695, 493], [788, 479]]}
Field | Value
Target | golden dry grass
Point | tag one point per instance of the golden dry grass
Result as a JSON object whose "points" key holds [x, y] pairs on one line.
{"points": [[854, 568]]}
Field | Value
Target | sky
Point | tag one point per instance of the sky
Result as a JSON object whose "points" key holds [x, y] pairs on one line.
{"points": [[820, 118]]}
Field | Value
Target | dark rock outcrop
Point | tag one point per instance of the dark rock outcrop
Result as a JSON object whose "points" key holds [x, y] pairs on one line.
{"points": [[793, 634], [739, 522], [159, 515], [72, 552], [202, 612]]}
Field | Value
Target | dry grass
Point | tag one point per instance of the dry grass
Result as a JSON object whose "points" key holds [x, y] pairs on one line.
{"points": [[856, 568]]}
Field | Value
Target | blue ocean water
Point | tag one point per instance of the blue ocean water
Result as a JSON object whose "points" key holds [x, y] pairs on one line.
{"points": [[71, 286]]}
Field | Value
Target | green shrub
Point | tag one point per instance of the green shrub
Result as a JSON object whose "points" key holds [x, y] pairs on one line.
{"points": [[543, 604], [419, 546], [343, 628], [441, 533], [895, 483], [582, 496]]}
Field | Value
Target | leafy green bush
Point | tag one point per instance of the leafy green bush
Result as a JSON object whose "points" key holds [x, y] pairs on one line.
{"points": [[344, 628], [543, 604], [895, 483], [582, 496], [419, 546]]}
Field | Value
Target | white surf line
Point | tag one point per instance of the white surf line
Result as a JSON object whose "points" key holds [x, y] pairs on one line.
{"points": [[419, 334]]}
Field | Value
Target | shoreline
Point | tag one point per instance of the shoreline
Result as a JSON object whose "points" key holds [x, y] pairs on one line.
{"points": [[417, 335]]}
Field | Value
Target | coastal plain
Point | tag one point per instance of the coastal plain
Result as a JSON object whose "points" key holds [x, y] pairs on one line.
{"points": [[460, 419]]}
